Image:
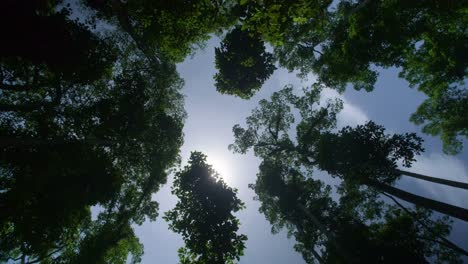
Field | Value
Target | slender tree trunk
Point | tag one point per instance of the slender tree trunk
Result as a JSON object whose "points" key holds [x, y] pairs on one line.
{"points": [[444, 241], [455, 184], [330, 236], [314, 252], [444, 208], [317, 256]]}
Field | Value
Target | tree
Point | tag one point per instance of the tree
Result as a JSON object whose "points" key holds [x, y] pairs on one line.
{"points": [[366, 150], [204, 214], [243, 64], [444, 116], [170, 29], [366, 165], [338, 232], [97, 105], [398, 238], [343, 42], [369, 156], [109, 142], [51, 44], [301, 204]]}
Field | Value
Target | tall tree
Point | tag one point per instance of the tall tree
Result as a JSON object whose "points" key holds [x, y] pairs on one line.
{"points": [[204, 215], [329, 231], [364, 156], [67, 146], [342, 42], [43, 41], [371, 157], [243, 64], [171, 29]]}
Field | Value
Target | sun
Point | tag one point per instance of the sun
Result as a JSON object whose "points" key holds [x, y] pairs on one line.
{"points": [[221, 166]]}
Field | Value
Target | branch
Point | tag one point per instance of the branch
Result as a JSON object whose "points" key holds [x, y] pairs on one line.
{"points": [[46, 256], [321, 54], [321, 117], [35, 105], [314, 252], [124, 20]]}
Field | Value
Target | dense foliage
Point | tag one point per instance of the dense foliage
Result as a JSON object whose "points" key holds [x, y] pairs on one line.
{"points": [[365, 160], [243, 64], [204, 215], [91, 119], [92, 123], [346, 42]]}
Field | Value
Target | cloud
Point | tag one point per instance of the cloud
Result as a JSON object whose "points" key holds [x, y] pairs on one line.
{"points": [[351, 115]]}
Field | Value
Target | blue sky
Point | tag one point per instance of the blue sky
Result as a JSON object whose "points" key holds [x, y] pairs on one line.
{"points": [[208, 129]]}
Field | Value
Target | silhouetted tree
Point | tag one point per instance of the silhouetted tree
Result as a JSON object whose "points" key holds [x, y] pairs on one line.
{"points": [[342, 42], [169, 29], [204, 215], [365, 160], [243, 64], [109, 142], [346, 231]]}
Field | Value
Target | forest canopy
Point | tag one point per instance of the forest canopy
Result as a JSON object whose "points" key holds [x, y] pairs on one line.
{"points": [[92, 117]]}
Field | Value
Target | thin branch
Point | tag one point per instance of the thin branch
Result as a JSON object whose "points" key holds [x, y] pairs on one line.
{"points": [[34, 105], [318, 120], [124, 20], [319, 52], [46, 256]]}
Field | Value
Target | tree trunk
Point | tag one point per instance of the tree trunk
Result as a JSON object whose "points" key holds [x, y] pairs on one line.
{"points": [[444, 208], [330, 236], [314, 252], [444, 241], [455, 184], [125, 23]]}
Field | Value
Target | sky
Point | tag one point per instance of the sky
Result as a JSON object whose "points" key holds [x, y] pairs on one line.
{"points": [[208, 129]]}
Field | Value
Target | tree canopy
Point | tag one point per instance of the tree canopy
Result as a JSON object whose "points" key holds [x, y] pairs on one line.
{"points": [[364, 158], [346, 42], [92, 124], [204, 215], [243, 64], [92, 116]]}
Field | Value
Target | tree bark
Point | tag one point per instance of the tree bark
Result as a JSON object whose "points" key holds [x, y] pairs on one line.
{"points": [[455, 184], [444, 208]]}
